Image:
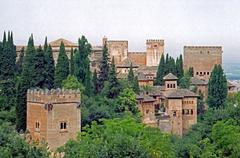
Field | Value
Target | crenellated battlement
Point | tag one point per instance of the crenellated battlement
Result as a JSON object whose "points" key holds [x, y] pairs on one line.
{"points": [[154, 40], [53, 96], [207, 47]]}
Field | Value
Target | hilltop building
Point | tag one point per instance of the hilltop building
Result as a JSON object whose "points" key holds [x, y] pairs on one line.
{"points": [[202, 59], [172, 109], [53, 116]]}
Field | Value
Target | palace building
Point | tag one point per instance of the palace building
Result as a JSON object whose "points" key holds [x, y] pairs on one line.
{"points": [[168, 107], [53, 116]]}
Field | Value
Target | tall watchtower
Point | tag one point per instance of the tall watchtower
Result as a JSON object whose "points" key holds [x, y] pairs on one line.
{"points": [[53, 116], [154, 51]]}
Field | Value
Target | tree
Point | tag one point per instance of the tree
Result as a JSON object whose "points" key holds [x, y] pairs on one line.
{"points": [[104, 69], [136, 87], [179, 67], [88, 84], [95, 82], [191, 71], [112, 87], [49, 68], [13, 145], [8, 57], [71, 82], [25, 82], [131, 74], [39, 68], [217, 87], [126, 101], [160, 71], [71, 63], [120, 138], [81, 60], [185, 81], [62, 67]]}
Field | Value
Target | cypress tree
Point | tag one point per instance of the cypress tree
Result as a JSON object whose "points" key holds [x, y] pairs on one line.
{"points": [[7, 58], [45, 45], [49, 68], [167, 65], [130, 75], [39, 68], [88, 84], [81, 60], [217, 87], [95, 82], [160, 71], [113, 88], [104, 68], [179, 67], [25, 82], [191, 71], [136, 87], [62, 67], [71, 63]]}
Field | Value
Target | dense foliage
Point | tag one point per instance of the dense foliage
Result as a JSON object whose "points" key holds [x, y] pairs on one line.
{"points": [[217, 87], [119, 138]]}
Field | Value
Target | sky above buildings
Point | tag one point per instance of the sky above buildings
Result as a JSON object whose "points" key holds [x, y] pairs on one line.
{"points": [[178, 22]]}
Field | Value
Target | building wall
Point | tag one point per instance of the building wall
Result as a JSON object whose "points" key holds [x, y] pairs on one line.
{"points": [[138, 58], [189, 113], [154, 51], [118, 50], [37, 113], [174, 109], [202, 59], [50, 108]]}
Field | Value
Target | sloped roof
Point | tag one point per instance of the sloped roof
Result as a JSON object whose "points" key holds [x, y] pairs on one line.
{"points": [[180, 93], [127, 63], [196, 81], [229, 84], [170, 76], [145, 98], [157, 91], [57, 43]]}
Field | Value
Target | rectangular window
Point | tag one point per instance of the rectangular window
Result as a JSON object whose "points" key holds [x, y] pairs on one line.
{"points": [[37, 126], [63, 125]]}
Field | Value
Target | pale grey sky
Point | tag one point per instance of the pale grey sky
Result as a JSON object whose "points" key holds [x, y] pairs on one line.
{"points": [[178, 22]]}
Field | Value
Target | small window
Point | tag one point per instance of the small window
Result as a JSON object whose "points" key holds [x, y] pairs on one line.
{"points": [[63, 125], [155, 46], [196, 73], [191, 111], [200, 73], [207, 73], [173, 85], [37, 125], [147, 111], [204, 73], [167, 85], [174, 113]]}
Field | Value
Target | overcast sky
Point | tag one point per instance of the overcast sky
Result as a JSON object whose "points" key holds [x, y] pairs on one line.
{"points": [[178, 22]]}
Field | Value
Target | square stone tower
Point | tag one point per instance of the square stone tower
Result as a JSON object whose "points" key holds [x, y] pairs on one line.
{"points": [[154, 51], [53, 116], [202, 59], [117, 49]]}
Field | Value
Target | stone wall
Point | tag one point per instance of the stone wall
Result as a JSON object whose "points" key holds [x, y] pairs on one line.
{"points": [[138, 58], [118, 50], [154, 51], [202, 59]]}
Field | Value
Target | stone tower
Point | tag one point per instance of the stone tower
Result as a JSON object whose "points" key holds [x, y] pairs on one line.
{"points": [[53, 116], [117, 49], [202, 59], [154, 51]]}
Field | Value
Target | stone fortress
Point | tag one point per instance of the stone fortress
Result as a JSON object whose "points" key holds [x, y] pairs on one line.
{"points": [[168, 107], [53, 116]]}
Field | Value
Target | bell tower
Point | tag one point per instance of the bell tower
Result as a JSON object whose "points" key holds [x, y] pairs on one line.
{"points": [[154, 51]]}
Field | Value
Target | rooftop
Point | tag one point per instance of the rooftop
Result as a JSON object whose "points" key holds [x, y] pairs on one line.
{"points": [[126, 63], [170, 76], [180, 93], [57, 43], [197, 81]]}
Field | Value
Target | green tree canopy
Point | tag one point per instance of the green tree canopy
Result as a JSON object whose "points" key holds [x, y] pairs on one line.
{"points": [[71, 82], [119, 138], [217, 87], [62, 67], [160, 72]]}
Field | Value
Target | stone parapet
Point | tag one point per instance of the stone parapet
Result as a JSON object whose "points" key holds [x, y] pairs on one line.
{"points": [[53, 96]]}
